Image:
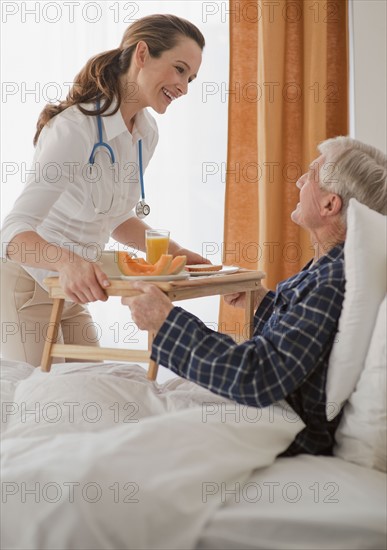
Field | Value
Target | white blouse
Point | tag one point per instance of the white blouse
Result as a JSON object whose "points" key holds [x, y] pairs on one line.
{"points": [[63, 198]]}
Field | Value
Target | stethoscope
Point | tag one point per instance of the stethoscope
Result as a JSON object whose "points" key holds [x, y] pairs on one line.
{"points": [[142, 208]]}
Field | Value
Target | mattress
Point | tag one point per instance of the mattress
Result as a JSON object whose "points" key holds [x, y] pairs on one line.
{"points": [[304, 502]]}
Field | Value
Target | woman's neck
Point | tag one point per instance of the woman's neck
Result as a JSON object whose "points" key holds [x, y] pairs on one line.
{"points": [[128, 115], [130, 102]]}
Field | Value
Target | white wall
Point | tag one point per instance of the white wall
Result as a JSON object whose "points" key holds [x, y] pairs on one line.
{"points": [[44, 44], [369, 71]]}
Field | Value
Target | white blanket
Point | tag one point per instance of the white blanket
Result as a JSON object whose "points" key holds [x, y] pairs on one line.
{"points": [[96, 456]]}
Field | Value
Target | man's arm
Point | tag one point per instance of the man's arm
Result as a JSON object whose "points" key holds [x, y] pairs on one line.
{"points": [[262, 370], [263, 312], [264, 300]]}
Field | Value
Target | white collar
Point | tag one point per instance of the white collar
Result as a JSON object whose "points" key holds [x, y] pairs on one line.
{"points": [[114, 125]]}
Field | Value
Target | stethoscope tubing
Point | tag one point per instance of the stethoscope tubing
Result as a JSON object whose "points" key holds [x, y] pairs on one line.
{"points": [[101, 143], [141, 169]]}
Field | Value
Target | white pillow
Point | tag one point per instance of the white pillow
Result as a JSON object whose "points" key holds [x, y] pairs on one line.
{"points": [[365, 257], [361, 435]]}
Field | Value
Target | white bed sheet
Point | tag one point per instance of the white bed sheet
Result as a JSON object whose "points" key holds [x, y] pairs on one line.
{"points": [[286, 506], [145, 466], [304, 503]]}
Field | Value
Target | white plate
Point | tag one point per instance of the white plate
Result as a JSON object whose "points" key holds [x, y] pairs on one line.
{"points": [[225, 269], [158, 278]]}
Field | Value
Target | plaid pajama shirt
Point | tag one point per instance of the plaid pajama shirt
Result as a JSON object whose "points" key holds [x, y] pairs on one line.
{"points": [[287, 358]]}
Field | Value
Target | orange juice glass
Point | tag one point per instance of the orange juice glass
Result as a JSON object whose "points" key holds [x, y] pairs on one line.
{"points": [[157, 243]]}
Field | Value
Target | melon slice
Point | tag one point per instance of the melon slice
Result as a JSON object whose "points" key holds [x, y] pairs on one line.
{"points": [[138, 266], [177, 265], [161, 267], [132, 266]]}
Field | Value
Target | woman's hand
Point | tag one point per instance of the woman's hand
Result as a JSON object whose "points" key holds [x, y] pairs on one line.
{"points": [[192, 257], [238, 299], [83, 281]]}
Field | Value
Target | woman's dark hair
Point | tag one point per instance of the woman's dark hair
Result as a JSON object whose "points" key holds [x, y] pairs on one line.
{"points": [[99, 78]]}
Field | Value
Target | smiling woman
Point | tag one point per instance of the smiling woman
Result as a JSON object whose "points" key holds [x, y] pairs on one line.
{"points": [[61, 215], [165, 78]]}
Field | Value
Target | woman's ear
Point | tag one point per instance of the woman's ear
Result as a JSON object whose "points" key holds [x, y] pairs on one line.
{"points": [[141, 54]]}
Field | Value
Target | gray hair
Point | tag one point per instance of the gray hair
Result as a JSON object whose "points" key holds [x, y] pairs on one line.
{"points": [[353, 169]]}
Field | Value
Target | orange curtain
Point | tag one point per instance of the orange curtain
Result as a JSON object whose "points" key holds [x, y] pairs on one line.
{"points": [[289, 71]]}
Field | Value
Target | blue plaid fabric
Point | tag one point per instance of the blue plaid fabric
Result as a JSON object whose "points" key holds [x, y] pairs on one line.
{"points": [[287, 358]]}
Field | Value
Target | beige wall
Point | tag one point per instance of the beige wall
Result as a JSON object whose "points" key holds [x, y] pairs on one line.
{"points": [[369, 120]]}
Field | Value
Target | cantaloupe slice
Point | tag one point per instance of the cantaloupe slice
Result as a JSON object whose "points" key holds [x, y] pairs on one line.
{"points": [[132, 266], [161, 267], [177, 265], [138, 266]]}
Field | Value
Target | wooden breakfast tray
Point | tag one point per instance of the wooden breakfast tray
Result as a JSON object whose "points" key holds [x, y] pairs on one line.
{"points": [[211, 285]]}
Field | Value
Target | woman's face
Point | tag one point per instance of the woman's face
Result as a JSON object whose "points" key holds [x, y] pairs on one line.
{"points": [[162, 80]]}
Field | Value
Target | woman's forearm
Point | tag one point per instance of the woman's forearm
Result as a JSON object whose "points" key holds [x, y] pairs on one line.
{"points": [[132, 233], [28, 248], [82, 280]]}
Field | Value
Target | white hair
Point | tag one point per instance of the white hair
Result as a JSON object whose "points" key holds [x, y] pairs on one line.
{"points": [[353, 169]]}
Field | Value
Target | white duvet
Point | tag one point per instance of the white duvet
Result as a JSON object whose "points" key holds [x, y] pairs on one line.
{"points": [[96, 456]]}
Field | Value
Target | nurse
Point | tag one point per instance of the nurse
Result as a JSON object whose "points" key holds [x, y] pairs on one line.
{"points": [[79, 194]]}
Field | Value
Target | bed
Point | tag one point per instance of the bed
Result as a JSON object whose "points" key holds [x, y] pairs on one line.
{"points": [[67, 484], [94, 455]]}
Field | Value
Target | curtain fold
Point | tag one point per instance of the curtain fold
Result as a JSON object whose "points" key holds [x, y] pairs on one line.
{"points": [[294, 55], [241, 197]]}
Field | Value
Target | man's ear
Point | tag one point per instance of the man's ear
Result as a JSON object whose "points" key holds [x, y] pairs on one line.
{"points": [[141, 54], [332, 204]]}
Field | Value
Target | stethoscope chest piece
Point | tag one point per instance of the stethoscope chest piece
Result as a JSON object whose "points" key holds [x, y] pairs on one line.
{"points": [[142, 209]]}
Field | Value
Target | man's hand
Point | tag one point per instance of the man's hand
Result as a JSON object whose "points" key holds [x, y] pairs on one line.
{"points": [[149, 309], [238, 299]]}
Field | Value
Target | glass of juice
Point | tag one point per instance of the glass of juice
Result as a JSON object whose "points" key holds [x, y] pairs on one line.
{"points": [[157, 243]]}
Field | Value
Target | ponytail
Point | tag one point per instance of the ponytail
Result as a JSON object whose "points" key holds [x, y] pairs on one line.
{"points": [[99, 78]]}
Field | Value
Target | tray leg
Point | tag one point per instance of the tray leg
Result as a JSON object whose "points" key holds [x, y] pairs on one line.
{"points": [[52, 333], [153, 366], [249, 313]]}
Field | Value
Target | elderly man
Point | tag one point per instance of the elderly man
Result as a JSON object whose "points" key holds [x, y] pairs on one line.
{"points": [[287, 358]]}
